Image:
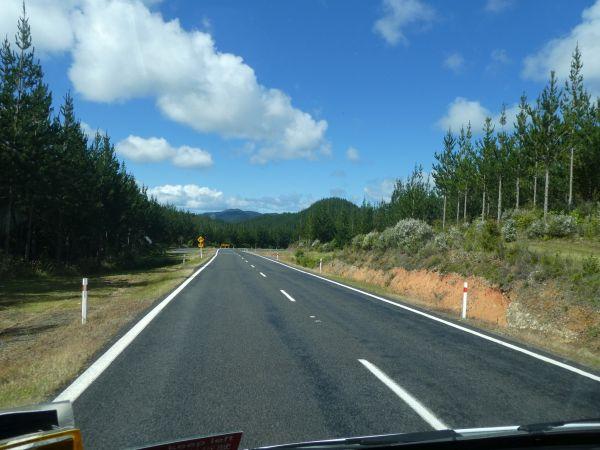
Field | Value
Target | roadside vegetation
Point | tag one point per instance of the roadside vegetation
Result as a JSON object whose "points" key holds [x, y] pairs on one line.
{"points": [[43, 344]]}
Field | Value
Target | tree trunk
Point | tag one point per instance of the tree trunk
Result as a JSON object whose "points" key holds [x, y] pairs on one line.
{"points": [[29, 230], [465, 208], [499, 199], [546, 185], [444, 215], [571, 180], [457, 209], [517, 190], [483, 204], [8, 220], [535, 185], [487, 214]]}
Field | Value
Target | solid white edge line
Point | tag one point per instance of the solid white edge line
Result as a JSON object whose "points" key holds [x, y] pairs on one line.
{"points": [[262, 274], [411, 401], [289, 297], [546, 359], [83, 381]]}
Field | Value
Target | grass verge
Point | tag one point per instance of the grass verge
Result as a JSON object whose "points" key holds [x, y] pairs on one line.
{"points": [[43, 344]]}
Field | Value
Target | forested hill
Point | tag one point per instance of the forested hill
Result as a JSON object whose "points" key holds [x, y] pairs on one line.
{"points": [[327, 219], [232, 215]]}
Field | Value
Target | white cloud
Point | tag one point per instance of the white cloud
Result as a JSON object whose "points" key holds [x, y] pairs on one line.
{"points": [[496, 6], [398, 14], [352, 154], [155, 149], [455, 62], [50, 23], [201, 198], [122, 50], [462, 111], [556, 54], [380, 189]]}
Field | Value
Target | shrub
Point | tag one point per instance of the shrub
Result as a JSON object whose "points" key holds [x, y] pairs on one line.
{"points": [[411, 234], [369, 240], [442, 241], [328, 246], [591, 265], [536, 229], [560, 225], [386, 239], [357, 241], [483, 235], [509, 230], [524, 218]]}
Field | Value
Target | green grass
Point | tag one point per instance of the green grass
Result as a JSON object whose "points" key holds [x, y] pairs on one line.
{"points": [[576, 250]]}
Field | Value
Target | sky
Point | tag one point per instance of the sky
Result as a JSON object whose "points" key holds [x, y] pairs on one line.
{"points": [[271, 105]]}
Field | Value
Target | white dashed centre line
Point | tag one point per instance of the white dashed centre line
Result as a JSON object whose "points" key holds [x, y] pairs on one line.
{"points": [[262, 274], [411, 401], [252, 265], [289, 297]]}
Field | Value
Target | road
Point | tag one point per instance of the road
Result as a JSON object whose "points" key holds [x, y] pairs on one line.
{"points": [[233, 352]]}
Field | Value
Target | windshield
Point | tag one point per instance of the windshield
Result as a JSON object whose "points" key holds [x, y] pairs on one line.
{"points": [[299, 220]]}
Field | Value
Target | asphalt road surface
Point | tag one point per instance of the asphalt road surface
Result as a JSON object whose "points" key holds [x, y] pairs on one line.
{"points": [[250, 345]]}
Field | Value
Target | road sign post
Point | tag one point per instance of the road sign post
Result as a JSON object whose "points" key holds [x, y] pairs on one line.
{"points": [[201, 244], [84, 285]]}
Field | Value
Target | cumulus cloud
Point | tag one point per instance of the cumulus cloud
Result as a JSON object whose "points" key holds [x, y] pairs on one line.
{"points": [[155, 149], [496, 6], [455, 62], [380, 189], [462, 111], [556, 54], [398, 14], [50, 23], [122, 50], [201, 198], [352, 154]]}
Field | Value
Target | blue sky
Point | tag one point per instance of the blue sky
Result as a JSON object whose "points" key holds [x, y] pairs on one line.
{"points": [[270, 105]]}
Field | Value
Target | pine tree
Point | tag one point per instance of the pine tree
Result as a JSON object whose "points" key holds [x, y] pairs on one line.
{"points": [[548, 130], [486, 148], [444, 170], [520, 150], [501, 155], [576, 110]]}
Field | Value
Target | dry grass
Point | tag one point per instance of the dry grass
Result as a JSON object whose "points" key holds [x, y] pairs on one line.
{"points": [[43, 344]]}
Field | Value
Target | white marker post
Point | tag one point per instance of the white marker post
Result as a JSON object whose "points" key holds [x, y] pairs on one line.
{"points": [[200, 252], [277, 255], [320, 265], [84, 284], [464, 302]]}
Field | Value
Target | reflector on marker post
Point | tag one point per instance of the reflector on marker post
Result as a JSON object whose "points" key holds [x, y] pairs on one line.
{"points": [[464, 300]]}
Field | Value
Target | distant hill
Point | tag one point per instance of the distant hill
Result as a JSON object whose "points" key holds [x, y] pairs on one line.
{"points": [[232, 215]]}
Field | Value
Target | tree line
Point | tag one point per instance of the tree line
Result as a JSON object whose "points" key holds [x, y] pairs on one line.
{"points": [[548, 158], [65, 197]]}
